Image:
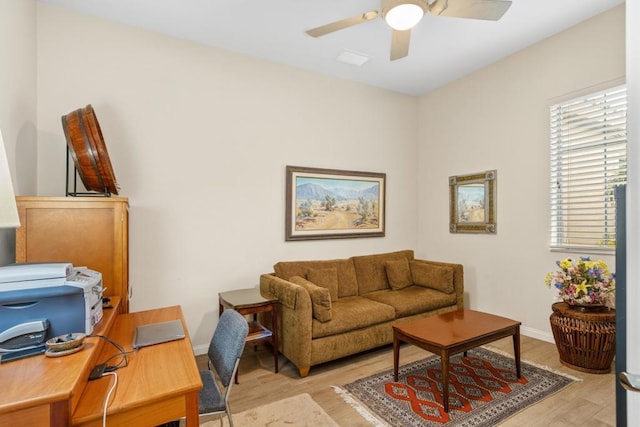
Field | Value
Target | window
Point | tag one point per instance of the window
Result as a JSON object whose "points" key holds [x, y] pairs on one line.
{"points": [[588, 159]]}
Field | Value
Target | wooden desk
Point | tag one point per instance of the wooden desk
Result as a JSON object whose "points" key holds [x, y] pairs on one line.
{"points": [[160, 384], [41, 390]]}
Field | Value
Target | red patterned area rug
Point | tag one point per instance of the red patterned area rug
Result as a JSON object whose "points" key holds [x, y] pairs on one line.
{"points": [[483, 391]]}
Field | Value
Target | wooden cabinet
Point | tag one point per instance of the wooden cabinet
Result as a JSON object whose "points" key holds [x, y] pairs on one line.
{"points": [[86, 231]]}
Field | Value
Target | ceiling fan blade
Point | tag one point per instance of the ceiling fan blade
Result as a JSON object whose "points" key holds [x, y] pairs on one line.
{"points": [[343, 23], [400, 44], [490, 10]]}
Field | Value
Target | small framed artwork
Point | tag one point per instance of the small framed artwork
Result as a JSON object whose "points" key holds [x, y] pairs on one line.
{"points": [[333, 204], [472, 203]]}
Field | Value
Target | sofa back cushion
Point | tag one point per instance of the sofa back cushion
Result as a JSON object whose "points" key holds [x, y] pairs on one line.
{"points": [[398, 273], [371, 272], [347, 284], [432, 276], [326, 278]]}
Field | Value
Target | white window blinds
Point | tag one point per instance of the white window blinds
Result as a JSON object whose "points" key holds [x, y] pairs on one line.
{"points": [[588, 159]]}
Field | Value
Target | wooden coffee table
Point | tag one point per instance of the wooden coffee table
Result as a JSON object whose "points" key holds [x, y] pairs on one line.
{"points": [[451, 333]]}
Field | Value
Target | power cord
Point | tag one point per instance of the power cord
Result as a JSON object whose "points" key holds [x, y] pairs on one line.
{"points": [[104, 367], [106, 401]]}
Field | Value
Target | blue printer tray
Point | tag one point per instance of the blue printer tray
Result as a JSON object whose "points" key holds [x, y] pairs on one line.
{"points": [[63, 306]]}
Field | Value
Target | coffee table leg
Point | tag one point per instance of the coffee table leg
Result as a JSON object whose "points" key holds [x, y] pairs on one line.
{"points": [[444, 360], [516, 350], [396, 356]]}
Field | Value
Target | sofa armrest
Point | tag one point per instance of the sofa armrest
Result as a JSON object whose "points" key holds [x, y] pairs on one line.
{"points": [[295, 319], [285, 291], [458, 279]]}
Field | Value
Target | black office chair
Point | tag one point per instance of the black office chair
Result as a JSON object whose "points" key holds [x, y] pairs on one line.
{"points": [[224, 354]]}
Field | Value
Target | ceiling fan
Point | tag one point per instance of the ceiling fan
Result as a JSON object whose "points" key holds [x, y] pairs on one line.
{"points": [[403, 15]]}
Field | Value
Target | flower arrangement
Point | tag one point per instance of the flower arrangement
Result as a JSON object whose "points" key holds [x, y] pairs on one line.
{"points": [[583, 282]]}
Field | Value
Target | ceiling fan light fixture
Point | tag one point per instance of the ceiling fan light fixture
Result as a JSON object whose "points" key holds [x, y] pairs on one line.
{"points": [[403, 15]]}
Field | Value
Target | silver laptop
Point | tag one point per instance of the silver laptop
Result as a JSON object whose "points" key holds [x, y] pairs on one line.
{"points": [[156, 333]]}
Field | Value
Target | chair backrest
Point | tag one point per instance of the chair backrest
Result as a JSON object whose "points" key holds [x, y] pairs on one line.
{"points": [[227, 344]]}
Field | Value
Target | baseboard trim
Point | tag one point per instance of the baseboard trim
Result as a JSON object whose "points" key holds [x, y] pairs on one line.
{"points": [[537, 334], [524, 330], [200, 349]]}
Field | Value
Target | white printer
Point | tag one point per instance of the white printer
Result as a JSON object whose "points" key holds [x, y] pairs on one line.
{"points": [[43, 300]]}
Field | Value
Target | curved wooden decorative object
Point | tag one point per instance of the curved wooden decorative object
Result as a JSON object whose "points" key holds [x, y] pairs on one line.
{"points": [[88, 150]]}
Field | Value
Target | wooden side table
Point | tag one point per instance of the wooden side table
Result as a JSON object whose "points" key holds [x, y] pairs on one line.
{"points": [[252, 301], [586, 340]]}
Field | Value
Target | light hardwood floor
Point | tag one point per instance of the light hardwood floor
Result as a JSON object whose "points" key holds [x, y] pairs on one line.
{"points": [[590, 402]]}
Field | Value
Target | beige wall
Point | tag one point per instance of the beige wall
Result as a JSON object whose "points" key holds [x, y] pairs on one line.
{"points": [[497, 118], [199, 139], [181, 121], [18, 101]]}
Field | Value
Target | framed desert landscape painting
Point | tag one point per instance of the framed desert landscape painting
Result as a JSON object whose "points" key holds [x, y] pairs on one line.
{"points": [[333, 204], [472, 203]]}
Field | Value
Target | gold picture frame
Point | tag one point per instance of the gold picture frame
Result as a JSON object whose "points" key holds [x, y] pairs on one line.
{"points": [[472, 203], [333, 204]]}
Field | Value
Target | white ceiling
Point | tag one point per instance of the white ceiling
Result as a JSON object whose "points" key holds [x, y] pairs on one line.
{"points": [[442, 49]]}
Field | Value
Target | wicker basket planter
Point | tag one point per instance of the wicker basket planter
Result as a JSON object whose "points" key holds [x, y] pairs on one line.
{"points": [[586, 339]]}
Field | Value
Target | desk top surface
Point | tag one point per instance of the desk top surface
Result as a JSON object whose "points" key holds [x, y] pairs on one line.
{"points": [[153, 373]]}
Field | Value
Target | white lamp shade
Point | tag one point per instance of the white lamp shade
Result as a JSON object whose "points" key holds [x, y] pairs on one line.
{"points": [[404, 16], [8, 209]]}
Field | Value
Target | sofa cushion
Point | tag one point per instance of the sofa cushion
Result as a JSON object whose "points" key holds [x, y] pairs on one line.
{"points": [[351, 313], [413, 300], [347, 284], [398, 273], [326, 278], [370, 270], [432, 276], [320, 298]]}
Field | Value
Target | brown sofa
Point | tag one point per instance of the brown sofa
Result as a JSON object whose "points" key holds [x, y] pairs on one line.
{"points": [[334, 308]]}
